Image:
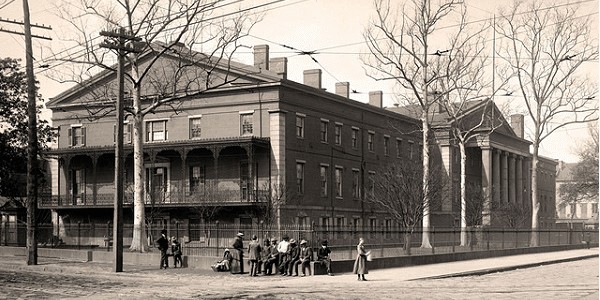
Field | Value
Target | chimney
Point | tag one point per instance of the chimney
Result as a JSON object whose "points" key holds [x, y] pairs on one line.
{"points": [[261, 57], [342, 89], [279, 66], [517, 122], [376, 98], [313, 78]]}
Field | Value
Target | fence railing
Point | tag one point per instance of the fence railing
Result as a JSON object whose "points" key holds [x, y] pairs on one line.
{"points": [[212, 239]]}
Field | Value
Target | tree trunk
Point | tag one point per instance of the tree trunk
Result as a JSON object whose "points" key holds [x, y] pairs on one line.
{"points": [[463, 195], [535, 205], [138, 170], [426, 209], [407, 242]]}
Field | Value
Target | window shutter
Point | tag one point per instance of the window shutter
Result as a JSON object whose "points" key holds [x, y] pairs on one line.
{"points": [[82, 136], [70, 137]]}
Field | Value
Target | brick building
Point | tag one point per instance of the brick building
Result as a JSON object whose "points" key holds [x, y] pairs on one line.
{"points": [[229, 147]]}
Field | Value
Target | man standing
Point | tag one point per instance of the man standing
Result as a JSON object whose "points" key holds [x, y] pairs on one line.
{"points": [[163, 245], [254, 252], [284, 251]]}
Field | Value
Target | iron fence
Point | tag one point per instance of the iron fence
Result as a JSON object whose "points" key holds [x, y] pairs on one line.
{"points": [[212, 239]]}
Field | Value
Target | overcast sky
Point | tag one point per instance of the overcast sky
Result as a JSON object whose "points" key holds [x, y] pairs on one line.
{"points": [[332, 27]]}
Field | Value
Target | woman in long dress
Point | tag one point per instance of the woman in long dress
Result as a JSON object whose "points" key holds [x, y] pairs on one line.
{"points": [[237, 255], [360, 264]]}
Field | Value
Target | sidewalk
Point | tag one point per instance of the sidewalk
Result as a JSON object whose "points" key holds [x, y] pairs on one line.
{"points": [[431, 271]]}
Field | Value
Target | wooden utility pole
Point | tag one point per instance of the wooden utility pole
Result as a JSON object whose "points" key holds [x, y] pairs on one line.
{"points": [[118, 43]]}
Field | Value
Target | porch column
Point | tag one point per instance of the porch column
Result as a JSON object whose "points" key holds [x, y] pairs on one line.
{"points": [[496, 176], [183, 188], [512, 193], [486, 183], [527, 182], [519, 181], [251, 185], [67, 170], [216, 151], [94, 179], [504, 176]]}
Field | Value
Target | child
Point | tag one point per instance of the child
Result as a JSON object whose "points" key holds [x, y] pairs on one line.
{"points": [[223, 265], [176, 250]]}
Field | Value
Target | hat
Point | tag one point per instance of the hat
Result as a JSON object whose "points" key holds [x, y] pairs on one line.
{"points": [[324, 243], [240, 234], [164, 231], [273, 240], [292, 241], [302, 242], [285, 237]]}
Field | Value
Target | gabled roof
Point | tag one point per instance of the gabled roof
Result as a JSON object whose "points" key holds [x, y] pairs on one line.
{"points": [[246, 72]]}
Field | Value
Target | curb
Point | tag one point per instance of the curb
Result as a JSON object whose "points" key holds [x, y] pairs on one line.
{"points": [[505, 269]]}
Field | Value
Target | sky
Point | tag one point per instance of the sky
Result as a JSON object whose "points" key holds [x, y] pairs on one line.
{"points": [[334, 28]]}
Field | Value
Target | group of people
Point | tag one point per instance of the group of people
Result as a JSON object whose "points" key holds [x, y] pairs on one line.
{"points": [[286, 257], [163, 247]]}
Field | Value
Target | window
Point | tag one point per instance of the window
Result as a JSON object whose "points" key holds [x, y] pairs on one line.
{"points": [[195, 128], [388, 228], [324, 222], [156, 131], [355, 224], [300, 126], [77, 136], [338, 134], [339, 172], [372, 225], [300, 177], [371, 187], [354, 138], [573, 210], [594, 208], [584, 213], [244, 181], [246, 123], [386, 145], [398, 148], [370, 140], [411, 149], [324, 176], [127, 133], [324, 130], [355, 184], [197, 177]]}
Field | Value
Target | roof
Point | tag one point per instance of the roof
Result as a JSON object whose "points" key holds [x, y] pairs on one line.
{"points": [[564, 171]]}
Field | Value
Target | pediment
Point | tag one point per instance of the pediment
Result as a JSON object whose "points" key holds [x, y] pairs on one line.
{"points": [[173, 73]]}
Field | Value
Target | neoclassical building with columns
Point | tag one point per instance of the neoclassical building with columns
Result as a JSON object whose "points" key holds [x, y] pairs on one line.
{"points": [[498, 167]]}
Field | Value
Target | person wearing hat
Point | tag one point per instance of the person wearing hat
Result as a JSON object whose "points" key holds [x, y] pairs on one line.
{"points": [[294, 256], [323, 257], [263, 262], [254, 255], [237, 255], [273, 260], [305, 257], [163, 245]]}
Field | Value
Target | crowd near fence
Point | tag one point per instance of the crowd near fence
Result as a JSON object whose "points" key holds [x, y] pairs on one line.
{"points": [[212, 239]]}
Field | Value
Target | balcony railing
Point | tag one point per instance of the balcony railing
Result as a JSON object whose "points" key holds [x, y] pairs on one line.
{"points": [[178, 194]]}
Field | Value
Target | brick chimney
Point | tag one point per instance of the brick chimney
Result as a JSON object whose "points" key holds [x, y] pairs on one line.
{"points": [[279, 66], [376, 98], [313, 78], [261, 57], [342, 89], [517, 122]]}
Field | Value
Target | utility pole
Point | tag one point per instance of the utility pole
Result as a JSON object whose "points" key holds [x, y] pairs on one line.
{"points": [[117, 41]]}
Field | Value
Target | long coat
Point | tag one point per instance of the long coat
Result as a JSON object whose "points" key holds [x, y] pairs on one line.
{"points": [[360, 264], [237, 256], [254, 250]]}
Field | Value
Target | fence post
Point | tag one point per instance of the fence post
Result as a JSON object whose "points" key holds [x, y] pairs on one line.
{"points": [[177, 230], [78, 235], [453, 238], [516, 237], [487, 237], [217, 233], [570, 239], [502, 238], [432, 240]]}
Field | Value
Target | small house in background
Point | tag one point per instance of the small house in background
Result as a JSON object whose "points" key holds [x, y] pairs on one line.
{"points": [[12, 213], [579, 214]]}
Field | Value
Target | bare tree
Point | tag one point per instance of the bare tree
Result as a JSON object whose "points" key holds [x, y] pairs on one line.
{"points": [[399, 50], [274, 197], [584, 184], [397, 189], [197, 36], [546, 49]]}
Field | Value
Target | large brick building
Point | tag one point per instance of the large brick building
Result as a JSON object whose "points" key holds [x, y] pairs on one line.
{"points": [[229, 146]]}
